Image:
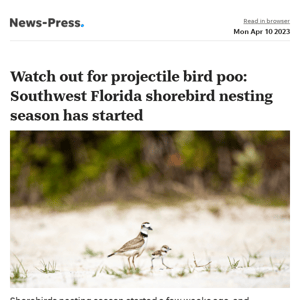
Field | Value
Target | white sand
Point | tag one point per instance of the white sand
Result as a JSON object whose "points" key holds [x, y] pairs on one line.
{"points": [[62, 237]]}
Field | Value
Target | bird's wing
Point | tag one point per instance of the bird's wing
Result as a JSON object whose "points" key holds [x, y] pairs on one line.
{"points": [[157, 252], [137, 242]]}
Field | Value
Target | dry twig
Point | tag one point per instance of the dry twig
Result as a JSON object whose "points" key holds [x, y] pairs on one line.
{"points": [[195, 262]]}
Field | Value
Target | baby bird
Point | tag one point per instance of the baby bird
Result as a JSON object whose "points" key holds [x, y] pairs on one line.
{"points": [[160, 254]]}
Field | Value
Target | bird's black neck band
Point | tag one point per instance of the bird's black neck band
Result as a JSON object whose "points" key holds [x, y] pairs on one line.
{"points": [[143, 234]]}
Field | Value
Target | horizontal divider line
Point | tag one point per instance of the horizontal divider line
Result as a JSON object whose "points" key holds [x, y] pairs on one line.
{"points": [[149, 40]]}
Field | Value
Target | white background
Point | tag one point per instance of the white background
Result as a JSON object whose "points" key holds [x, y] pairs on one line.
{"points": [[125, 36]]}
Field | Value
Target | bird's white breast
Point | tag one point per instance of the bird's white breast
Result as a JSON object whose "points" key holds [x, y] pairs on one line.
{"points": [[144, 246]]}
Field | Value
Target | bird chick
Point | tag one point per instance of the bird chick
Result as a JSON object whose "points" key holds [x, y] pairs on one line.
{"points": [[160, 254]]}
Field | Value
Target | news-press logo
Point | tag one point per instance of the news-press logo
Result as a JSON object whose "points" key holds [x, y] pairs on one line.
{"points": [[15, 22]]}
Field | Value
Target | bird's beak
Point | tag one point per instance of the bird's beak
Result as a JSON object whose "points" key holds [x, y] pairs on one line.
{"points": [[170, 249], [150, 228]]}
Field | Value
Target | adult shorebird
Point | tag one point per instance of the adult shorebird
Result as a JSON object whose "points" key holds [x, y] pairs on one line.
{"points": [[160, 254], [134, 248]]}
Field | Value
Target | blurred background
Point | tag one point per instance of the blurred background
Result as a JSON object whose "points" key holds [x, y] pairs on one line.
{"points": [[65, 169]]}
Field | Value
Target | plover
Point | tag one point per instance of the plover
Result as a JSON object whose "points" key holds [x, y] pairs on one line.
{"points": [[160, 254], [134, 248]]}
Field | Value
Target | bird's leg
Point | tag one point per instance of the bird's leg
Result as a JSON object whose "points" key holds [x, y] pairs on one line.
{"points": [[164, 263], [152, 263], [129, 263], [133, 262]]}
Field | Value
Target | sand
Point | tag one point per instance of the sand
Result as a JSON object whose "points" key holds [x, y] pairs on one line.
{"points": [[194, 227]]}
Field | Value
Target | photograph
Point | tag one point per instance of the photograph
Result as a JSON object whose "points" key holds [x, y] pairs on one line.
{"points": [[149, 209]]}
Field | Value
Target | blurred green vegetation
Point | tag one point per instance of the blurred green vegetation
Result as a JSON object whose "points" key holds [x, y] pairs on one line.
{"points": [[68, 167]]}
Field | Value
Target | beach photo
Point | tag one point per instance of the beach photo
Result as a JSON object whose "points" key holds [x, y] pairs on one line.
{"points": [[150, 209]]}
